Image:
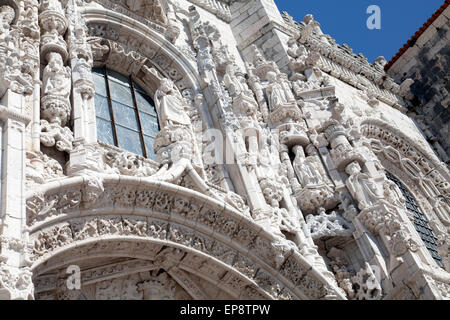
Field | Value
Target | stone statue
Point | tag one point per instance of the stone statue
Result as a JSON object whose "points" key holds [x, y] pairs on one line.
{"points": [[235, 84], [7, 15], [362, 187], [307, 169], [298, 56], [56, 77], [285, 83], [170, 105], [312, 24], [303, 174], [393, 193], [275, 92]]}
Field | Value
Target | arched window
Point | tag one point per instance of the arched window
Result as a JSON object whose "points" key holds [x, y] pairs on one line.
{"points": [[421, 222], [126, 115]]}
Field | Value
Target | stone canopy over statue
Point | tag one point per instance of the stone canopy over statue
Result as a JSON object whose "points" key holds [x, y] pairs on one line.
{"points": [[170, 105]]}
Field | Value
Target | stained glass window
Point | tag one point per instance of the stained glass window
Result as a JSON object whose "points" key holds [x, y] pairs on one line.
{"points": [[126, 115], [421, 222]]}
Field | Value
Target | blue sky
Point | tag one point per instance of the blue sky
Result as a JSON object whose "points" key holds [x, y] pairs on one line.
{"points": [[345, 20]]}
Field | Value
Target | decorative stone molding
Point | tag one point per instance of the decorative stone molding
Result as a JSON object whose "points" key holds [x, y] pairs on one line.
{"points": [[361, 285], [17, 70], [54, 135], [128, 164], [419, 154], [129, 8], [15, 284], [6, 113], [41, 169], [128, 54], [217, 7], [418, 164], [382, 219], [163, 205], [342, 63]]}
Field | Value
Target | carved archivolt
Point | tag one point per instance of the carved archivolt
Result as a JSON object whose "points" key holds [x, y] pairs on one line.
{"points": [[143, 211], [136, 50]]}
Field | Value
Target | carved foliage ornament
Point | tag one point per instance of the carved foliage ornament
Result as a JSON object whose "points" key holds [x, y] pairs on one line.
{"points": [[16, 69]]}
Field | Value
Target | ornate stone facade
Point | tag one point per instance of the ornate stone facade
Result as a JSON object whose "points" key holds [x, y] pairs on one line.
{"points": [[269, 175]]}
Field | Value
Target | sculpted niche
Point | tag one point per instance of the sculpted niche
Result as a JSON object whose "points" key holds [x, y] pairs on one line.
{"points": [[56, 86]]}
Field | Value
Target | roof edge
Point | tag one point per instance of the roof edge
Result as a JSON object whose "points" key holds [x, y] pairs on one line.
{"points": [[417, 35]]}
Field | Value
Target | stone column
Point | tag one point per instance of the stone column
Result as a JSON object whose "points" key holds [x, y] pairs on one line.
{"points": [[215, 96], [56, 79], [19, 51], [82, 156], [382, 220], [15, 274]]}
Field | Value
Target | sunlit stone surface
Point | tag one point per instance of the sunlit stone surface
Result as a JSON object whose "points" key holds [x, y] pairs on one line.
{"points": [[156, 149]]}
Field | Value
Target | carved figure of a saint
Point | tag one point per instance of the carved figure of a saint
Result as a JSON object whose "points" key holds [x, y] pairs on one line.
{"points": [[283, 79], [56, 77], [275, 92], [362, 187], [308, 171], [170, 105], [393, 193], [302, 173], [7, 15], [235, 84]]}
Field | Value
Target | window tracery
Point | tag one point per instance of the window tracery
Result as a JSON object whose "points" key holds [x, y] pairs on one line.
{"points": [[421, 222]]}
